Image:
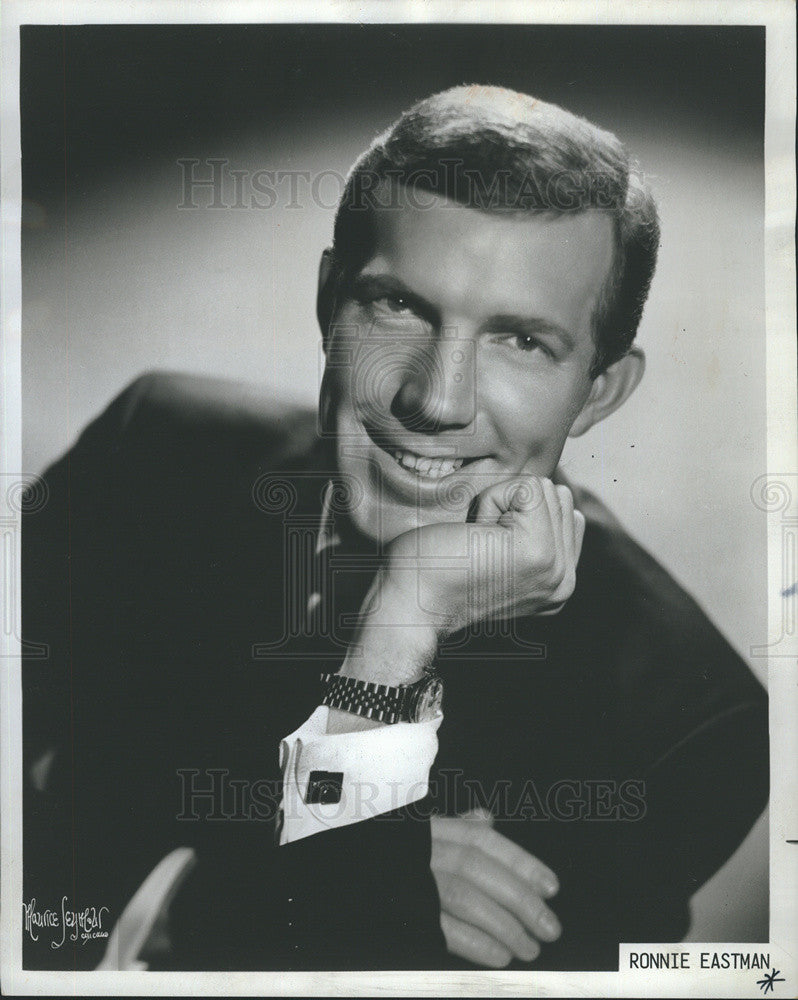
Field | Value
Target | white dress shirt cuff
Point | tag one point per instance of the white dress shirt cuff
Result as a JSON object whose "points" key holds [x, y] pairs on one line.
{"points": [[357, 775]]}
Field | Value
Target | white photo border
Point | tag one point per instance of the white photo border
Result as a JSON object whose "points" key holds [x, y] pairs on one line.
{"points": [[779, 491]]}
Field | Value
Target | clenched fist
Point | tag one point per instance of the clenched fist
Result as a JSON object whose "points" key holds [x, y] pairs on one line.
{"points": [[516, 557]]}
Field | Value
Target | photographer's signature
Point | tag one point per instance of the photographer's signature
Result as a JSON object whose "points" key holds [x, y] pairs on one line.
{"points": [[66, 924]]}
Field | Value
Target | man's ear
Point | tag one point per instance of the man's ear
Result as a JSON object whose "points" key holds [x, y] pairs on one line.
{"points": [[325, 293], [610, 390]]}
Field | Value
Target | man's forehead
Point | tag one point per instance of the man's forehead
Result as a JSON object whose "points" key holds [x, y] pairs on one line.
{"points": [[495, 261], [411, 213]]}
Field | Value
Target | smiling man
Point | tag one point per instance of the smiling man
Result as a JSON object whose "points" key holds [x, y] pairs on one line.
{"points": [[603, 751], [491, 260]]}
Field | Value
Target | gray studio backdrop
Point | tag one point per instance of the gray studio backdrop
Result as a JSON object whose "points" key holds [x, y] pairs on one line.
{"points": [[120, 276]]}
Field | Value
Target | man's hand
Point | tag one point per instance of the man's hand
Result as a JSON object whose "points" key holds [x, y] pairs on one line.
{"points": [[492, 892], [518, 557]]}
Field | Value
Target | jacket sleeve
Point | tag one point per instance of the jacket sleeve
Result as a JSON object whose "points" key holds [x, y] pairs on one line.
{"points": [[355, 897]]}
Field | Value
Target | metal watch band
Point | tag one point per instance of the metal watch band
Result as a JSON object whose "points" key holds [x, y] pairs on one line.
{"points": [[367, 698]]}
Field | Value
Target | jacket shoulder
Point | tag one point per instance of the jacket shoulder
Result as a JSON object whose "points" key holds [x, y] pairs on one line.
{"points": [[168, 424], [191, 413]]}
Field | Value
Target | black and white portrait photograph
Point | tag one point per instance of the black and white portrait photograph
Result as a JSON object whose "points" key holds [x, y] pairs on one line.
{"points": [[399, 482]]}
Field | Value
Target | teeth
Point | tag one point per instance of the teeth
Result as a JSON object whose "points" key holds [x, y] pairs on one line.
{"points": [[431, 468]]}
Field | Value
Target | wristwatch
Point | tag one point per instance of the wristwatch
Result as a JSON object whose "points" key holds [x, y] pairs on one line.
{"points": [[415, 702]]}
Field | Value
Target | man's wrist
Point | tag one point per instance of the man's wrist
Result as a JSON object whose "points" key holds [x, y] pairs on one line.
{"points": [[390, 648], [393, 645]]}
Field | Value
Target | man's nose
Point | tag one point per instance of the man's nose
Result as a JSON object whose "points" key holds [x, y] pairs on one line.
{"points": [[438, 385]]}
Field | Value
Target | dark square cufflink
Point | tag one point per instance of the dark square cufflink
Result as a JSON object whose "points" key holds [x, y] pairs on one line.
{"points": [[324, 787]]}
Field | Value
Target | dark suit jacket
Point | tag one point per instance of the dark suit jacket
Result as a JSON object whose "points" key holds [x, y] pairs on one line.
{"points": [[150, 573], [622, 741]]}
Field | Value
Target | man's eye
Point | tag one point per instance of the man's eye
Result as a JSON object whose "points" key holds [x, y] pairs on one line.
{"points": [[393, 303], [523, 343], [527, 343]]}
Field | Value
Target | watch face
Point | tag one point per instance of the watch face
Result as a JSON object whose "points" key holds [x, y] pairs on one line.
{"points": [[430, 700]]}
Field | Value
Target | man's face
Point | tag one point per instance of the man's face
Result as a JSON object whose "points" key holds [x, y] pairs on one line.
{"points": [[460, 355]]}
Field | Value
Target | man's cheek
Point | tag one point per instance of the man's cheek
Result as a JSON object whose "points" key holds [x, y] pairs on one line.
{"points": [[541, 449]]}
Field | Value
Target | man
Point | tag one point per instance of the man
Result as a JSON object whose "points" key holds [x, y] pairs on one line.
{"points": [[602, 744]]}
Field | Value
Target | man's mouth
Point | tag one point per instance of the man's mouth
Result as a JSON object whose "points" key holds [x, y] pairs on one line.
{"points": [[423, 466]]}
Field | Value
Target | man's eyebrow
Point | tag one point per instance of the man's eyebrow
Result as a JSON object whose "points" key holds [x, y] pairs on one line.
{"points": [[370, 285], [534, 326], [364, 285]]}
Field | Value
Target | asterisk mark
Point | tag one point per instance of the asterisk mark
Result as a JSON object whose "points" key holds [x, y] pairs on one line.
{"points": [[771, 978]]}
